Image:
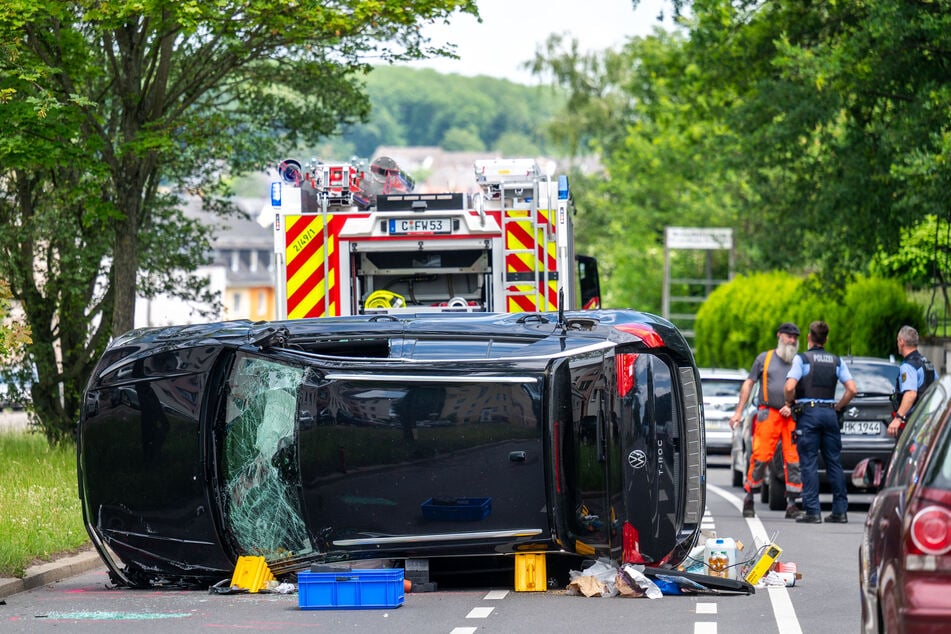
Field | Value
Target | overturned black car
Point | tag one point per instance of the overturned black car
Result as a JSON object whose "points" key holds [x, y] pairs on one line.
{"points": [[330, 439]]}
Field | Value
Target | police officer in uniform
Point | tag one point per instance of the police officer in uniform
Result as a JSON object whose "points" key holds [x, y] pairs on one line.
{"points": [[915, 375], [810, 390]]}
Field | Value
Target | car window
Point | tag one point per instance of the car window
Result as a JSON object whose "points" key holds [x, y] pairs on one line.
{"points": [[916, 438], [939, 472], [721, 387], [872, 378], [260, 479]]}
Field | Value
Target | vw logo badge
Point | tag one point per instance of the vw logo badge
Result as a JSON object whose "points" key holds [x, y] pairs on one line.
{"points": [[852, 412], [637, 459]]}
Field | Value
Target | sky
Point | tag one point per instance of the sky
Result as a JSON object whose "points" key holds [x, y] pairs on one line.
{"points": [[512, 30]]}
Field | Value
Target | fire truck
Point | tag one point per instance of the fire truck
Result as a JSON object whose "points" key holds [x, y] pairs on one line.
{"points": [[352, 239]]}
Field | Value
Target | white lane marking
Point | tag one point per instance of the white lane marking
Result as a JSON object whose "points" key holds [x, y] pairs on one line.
{"points": [[760, 538], [463, 630], [495, 595], [705, 627], [783, 611], [706, 608], [479, 613]]}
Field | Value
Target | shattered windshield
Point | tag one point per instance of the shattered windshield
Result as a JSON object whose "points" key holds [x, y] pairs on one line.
{"points": [[261, 498]]}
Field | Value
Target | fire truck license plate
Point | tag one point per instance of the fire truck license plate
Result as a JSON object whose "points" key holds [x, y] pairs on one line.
{"points": [[861, 427], [409, 226]]}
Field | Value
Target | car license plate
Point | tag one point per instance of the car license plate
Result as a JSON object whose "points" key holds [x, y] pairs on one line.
{"points": [[420, 226], [861, 427]]}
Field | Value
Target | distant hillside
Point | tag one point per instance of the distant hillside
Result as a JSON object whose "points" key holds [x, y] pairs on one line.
{"points": [[422, 107]]}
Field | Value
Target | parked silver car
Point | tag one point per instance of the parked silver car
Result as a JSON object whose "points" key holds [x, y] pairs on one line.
{"points": [[721, 393]]}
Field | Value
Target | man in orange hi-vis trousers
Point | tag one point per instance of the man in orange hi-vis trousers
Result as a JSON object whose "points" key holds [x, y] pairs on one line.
{"points": [[773, 420]]}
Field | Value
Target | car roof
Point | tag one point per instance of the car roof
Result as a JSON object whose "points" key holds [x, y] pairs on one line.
{"points": [[869, 360]]}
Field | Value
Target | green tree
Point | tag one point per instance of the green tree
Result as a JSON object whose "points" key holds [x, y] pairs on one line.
{"points": [[462, 140], [841, 110], [642, 111], [105, 105], [419, 106]]}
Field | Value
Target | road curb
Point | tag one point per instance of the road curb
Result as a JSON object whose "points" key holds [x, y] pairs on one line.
{"points": [[51, 572]]}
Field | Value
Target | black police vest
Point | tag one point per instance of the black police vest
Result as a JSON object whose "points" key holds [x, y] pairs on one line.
{"points": [[918, 361], [821, 380]]}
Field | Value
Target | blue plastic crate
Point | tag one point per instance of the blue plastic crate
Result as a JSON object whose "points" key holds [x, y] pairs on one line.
{"points": [[350, 589], [456, 509]]}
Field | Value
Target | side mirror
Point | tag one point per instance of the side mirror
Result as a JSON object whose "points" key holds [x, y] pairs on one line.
{"points": [[868, 474]]}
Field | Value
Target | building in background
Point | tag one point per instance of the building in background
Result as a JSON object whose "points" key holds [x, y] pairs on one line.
{"points": [[241, 274]]}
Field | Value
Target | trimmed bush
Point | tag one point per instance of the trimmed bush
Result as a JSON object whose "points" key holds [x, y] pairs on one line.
{"points": [[739, 319]]}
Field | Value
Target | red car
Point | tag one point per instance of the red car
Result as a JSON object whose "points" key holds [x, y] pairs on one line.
{"points": [[905, 556]]}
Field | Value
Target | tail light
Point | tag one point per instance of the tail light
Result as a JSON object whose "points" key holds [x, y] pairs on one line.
{"points": [[631, 545], [646, 334], [624, 363], [929, 537]]}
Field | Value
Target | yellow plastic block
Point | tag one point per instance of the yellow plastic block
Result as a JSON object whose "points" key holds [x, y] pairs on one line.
{"points": [[251, 573], [530, 574]]}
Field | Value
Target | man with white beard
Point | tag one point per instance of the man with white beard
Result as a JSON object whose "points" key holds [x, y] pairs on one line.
{"points": [[773, 421]]}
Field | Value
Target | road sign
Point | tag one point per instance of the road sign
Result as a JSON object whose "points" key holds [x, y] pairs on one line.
{"points": [[698, 238]]}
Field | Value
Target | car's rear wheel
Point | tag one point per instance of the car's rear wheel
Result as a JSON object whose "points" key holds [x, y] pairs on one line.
{"points": [[737, 478], [777, 493]]}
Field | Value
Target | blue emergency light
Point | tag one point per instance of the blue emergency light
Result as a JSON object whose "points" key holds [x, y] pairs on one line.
{"points": [[562, 187], [276, 194]]}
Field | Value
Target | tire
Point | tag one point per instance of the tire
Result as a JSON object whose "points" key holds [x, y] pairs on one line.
{"points": [[776, 476], [777, 493], [764, 491], [737, 478]]}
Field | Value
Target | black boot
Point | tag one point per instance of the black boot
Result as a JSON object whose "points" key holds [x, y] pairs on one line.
{"points": [[748, 506], [792, 511]]}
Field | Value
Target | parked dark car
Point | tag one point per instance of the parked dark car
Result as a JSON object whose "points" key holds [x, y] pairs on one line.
{"points": [[864, 426], [905, 555], [721, 393], [376, 437]]}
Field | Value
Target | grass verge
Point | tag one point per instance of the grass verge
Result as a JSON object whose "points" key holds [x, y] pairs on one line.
{"points": [[40, 515]]}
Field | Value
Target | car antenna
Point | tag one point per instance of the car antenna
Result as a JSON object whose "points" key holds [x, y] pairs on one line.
{"points": [[561, 311]]}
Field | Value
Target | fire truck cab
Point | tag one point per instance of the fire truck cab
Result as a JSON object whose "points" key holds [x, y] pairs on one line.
{"points": [[354, 239]]}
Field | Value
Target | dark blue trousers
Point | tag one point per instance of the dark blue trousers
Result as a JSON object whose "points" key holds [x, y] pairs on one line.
{"points": [[817, 431]]}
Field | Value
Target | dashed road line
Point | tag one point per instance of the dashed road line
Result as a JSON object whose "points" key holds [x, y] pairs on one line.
{"points": [[479, 613]]}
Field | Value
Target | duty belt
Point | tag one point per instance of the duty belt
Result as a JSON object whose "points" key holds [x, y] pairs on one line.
{"points": [[816, 404]]}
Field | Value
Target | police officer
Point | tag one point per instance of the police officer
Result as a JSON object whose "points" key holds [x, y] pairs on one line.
{"points": [[915, 375], [773, 421], [810, 389]]}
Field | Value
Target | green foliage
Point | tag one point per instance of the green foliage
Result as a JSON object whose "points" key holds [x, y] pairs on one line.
{"points": [[817, 131], [462, 140], [876, 309], [13, 333], [739, 319], [921, 257], [422, 107], [41, 514]]}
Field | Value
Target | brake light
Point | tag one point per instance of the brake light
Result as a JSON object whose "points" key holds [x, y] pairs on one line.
{"points": [[624, 366], [931, 530], [646, 334], [631, 545], [928, 534]]}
